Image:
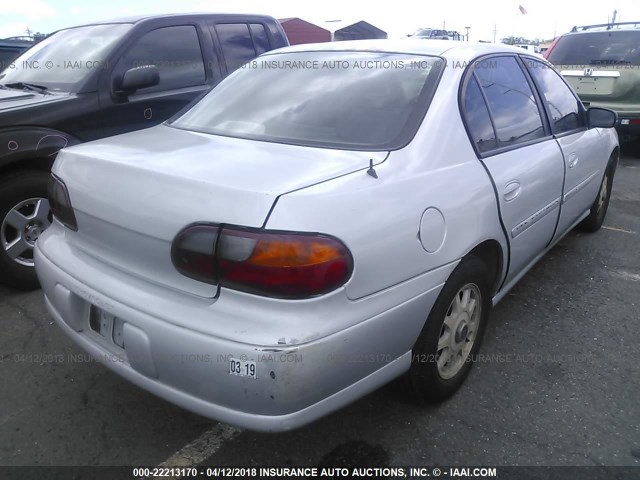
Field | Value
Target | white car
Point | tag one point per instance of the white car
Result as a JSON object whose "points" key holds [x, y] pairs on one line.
{"points": [[328, 218], [534, 49]]}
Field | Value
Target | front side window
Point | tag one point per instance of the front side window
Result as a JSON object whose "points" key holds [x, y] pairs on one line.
{"points": [[511, 102], [348, 100], [564, 107], [174, 50]]}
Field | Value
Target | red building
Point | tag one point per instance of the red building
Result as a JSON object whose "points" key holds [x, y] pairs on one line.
{"points": [[299, 31]]}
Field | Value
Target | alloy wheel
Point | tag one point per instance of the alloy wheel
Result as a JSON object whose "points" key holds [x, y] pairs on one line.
{"points": [[22, 226]]}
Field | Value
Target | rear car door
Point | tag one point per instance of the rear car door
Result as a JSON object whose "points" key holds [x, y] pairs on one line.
{"points": [[509, 130], [177, 52], [582, 149], [241, 42]]}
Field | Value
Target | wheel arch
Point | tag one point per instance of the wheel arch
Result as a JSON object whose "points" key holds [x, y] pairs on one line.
{"points": [[31, 147], [492, 254], [32, 163], [614, 158]]}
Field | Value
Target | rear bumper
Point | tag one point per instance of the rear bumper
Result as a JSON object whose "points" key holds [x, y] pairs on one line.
{"points": [[295, 384], [628, 127], [628, 124]]}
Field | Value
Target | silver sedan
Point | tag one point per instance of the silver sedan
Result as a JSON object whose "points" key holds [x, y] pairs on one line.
{"points": [[327, 219]]}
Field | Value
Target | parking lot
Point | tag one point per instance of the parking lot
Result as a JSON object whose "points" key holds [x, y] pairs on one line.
{"points": [[557, 383]]}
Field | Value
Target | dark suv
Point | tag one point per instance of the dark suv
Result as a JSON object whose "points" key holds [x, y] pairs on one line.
{"points": [[98, 80], [10, 48], [602, 64]]}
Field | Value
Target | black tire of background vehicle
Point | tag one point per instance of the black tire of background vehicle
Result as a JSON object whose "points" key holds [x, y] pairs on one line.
{"points": [[15, 188], [595, 219], [423, 381]]}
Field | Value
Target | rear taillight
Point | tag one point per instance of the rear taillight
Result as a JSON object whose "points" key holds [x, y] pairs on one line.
{"points": [[61, 203], [192, 252], [271, 263], [551, 47]]}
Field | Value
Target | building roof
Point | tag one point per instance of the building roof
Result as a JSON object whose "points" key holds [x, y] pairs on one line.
{"points": [[301, 31], [298, 19], [360, 27]]}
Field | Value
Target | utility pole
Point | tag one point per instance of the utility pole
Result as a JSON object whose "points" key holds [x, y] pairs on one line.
{"points": [[495, 32], [468, 28]]}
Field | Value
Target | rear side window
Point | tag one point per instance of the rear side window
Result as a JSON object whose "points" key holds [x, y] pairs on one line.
{"points": [[597, 48], [174, 50], [513, 106], [236, 43], [477, 117], [564, 108], [260, 38]]}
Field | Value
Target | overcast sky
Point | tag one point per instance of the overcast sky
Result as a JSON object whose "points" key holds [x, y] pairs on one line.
{"points": [[397, 17]]}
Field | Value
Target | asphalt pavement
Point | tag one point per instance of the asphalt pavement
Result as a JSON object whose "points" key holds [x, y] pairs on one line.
{"points": [[557, 383]]}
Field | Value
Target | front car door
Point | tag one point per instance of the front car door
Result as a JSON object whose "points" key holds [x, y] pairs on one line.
{"points": [[582, 148], [177, 52], [512, 138]]}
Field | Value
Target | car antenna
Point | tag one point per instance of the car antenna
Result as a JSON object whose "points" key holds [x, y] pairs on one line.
{"points": [[371, 170]]}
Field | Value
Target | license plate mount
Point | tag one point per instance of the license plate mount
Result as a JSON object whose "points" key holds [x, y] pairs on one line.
{"points": [[101, 321]]}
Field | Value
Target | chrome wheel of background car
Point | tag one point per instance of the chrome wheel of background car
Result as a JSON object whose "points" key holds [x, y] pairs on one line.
{"points": [[22, 226], [604, 190], [458, 331]]}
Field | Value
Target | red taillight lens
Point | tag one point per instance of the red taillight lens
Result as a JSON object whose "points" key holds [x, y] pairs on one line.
{"points": [[551, 47], [276, 264], [60, 203]]}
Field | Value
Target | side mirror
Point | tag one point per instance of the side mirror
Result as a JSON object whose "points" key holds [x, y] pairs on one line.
{"points": [[601, 118], [140, 77]]}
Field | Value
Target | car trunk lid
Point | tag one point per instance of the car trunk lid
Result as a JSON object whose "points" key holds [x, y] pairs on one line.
{"points": [[133, 193]]}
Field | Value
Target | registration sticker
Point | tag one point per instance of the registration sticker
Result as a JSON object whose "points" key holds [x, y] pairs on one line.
{"points": [[243, 368]]}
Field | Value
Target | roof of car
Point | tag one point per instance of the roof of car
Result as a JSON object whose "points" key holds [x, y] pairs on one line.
{"points": [[140, 18], [605, 28], [12, 42], [443, 48]]}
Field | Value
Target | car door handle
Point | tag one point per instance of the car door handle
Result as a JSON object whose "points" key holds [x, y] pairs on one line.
{"points": [[512, 190], [573, 160]]}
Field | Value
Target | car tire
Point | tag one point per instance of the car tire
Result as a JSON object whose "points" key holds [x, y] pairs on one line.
{"points": [[595, 219], [23, 196], [427, 379]]}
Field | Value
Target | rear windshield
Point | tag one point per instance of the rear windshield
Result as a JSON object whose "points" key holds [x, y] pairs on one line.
{"points": [[345, 100], [598, 48]]}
